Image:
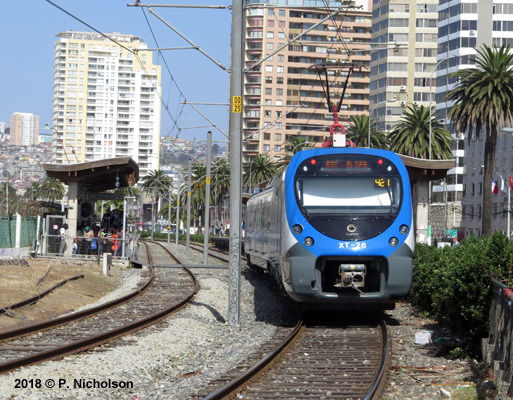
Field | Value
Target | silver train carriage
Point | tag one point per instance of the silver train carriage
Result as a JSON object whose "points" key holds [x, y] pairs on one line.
{"points": [[335, 230]]}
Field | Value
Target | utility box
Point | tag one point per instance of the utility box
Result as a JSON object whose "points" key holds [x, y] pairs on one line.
{"points": [[107, 262], [339, 140]]}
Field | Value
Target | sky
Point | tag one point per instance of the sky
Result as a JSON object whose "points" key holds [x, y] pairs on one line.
{"points": [[29, 29]]}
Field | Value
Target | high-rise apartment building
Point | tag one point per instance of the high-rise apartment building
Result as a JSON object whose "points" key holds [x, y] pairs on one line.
{"points": [[283, 92], [24, 129], [404, 35], [463, 27], [106, 99]]}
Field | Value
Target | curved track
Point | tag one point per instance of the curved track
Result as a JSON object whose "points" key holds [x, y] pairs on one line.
{"points": [[316, 360], [162, 293]]}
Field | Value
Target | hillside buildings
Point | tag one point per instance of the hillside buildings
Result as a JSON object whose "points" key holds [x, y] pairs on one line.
{"points": [[24, 129], [283, 92], [106, 99]]}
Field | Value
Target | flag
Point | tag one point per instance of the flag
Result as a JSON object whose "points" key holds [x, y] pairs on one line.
{"points": [[510, 183], [503, 186], [495, 188]]}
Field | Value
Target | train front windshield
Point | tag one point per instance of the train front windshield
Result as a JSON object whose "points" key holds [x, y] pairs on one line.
{"points": [[349, 196]]}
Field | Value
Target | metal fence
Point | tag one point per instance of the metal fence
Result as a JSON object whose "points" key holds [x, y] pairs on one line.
{"points": [[498, 348], [82, 247], [8, 231]]}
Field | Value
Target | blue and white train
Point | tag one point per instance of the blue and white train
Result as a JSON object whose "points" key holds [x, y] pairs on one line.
{"points": [[335, 230]]}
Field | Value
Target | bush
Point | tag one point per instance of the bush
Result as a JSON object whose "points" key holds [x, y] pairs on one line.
{"points": [[163, 236], [453, 285]]}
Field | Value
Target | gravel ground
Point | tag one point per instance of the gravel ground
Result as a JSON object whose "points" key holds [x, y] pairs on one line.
{"points": [[177, 357], [167, 361]]}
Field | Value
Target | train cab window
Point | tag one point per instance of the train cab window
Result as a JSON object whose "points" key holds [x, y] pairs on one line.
{"points": [[349, 196]]}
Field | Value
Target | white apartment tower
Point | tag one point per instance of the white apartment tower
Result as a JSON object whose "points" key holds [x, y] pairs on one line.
{"points": [[463, 27], [404, 34], [24, 129], [106, 99]]}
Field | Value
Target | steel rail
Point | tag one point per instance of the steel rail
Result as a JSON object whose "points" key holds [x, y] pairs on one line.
{"points": [[236, 383], [40, 326], [386, 356], [84, 344], [37, 297]]}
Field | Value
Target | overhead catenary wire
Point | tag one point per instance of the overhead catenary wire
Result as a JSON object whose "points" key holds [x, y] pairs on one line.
{"points": [[135, 53]]}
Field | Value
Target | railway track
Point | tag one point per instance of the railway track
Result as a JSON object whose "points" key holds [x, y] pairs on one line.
{"points": [[315, 360], [163, 292]]}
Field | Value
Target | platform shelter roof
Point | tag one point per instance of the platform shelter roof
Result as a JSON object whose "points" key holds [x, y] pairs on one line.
{"points": [[97, 175], [421, 169]]}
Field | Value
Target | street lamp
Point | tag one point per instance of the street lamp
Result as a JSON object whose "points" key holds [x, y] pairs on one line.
{"points": [[430, 99], [47, 126], [370, 113]]}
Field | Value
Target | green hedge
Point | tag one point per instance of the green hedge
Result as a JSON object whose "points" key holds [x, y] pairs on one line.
{"points": [[453, 284], [163, 236]]}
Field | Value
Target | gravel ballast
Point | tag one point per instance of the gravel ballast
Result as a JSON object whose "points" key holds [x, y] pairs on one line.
{"points": [[177, 357], [169, 361]]}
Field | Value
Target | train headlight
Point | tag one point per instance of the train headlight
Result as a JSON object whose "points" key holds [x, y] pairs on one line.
{"points": [[393, 242], [308, 241], [404, 229], [297, 229]]}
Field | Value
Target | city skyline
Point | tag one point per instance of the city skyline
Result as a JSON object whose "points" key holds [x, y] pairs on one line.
{"points": [[27, 84]]}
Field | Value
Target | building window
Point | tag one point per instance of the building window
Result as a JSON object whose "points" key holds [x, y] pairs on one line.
{"points": [[270, 23], [277, 137], [269, 79], [268, 68], [270, 46], [270, 35], [279, 92], [267, 113], [267, 147], [268, 91], [279, 70]]}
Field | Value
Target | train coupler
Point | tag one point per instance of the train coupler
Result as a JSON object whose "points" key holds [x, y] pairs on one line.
{"points": [[352, 276]]}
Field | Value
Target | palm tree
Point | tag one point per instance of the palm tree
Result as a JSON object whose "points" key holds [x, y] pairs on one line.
{"points": [[411, 135], [483, 103], [156, 183], [220, 184], [293, 144], [9, 197], [52, 189], [358, 132], [33, 190], [260, 169], [296, 143]]}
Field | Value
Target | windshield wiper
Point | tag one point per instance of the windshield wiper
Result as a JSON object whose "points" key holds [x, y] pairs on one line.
{"points": [[305, 214], [391, 202]]}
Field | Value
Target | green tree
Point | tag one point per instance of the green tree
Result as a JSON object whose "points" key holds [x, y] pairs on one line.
{"points": [[260, 169], [220, 183], [33, 191], [483, 103], [293, 144], [411, 135], [156, 183], [52, 189], [9, 198], [358, 132]]}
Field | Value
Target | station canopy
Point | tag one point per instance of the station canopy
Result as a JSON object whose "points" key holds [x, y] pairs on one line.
{"points": [[98, 175]]}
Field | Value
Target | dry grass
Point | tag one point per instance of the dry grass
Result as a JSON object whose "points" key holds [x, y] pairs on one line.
{"points": [[19, 282]]}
